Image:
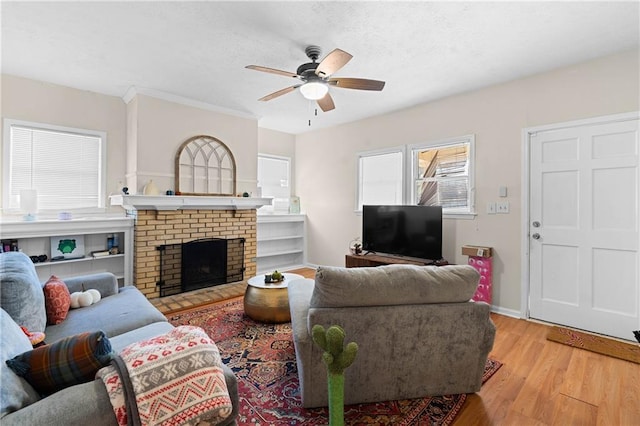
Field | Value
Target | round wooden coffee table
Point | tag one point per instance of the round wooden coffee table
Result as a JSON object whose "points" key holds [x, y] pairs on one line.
{"points": [[268, 302]]}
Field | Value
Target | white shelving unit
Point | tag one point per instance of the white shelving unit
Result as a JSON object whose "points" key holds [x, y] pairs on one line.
{"points": [[34, 239], [281, 242]]}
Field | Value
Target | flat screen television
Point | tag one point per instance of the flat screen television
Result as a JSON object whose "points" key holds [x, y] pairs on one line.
{"points": [[409, 231]]}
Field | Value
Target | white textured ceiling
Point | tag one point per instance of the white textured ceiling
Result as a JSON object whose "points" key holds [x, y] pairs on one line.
{"points": [[198, 50]]}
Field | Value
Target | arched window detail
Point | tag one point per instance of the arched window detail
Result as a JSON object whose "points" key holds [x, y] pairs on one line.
{"points": [[205, 166]]}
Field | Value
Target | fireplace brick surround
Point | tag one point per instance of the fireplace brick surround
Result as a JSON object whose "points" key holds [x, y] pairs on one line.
{"points": [[157, 227]]}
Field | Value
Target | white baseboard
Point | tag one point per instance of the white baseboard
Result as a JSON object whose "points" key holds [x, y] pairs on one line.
{"points": [[505, 311]]}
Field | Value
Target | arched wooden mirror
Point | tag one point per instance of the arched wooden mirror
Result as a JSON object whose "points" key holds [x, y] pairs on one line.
{"points": [[205, 166]]}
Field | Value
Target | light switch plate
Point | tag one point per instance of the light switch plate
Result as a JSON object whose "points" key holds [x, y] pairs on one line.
{"points": [[491, 208], [502, 207]]}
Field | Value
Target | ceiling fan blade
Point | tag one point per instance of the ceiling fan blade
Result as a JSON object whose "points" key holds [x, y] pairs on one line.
{"points": [[279, 93], [356, 83], [333, 62], [326, 103], [272, 71]]}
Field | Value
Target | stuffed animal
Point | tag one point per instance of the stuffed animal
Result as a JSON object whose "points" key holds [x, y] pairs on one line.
{"points": [[337, 358]]}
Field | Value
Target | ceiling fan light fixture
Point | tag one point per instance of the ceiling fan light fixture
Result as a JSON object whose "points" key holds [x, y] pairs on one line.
{"points": [[314, 90]]}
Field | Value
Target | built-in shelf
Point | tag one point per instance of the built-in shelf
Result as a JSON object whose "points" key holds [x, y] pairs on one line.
{"points": [[280, 253], [82, 259], [182, 202], [34, 238], [280, 238], [281, 242]]}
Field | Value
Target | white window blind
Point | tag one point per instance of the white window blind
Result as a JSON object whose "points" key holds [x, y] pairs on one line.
{"points": [[273, 176], [65, 167], [380, 178]]}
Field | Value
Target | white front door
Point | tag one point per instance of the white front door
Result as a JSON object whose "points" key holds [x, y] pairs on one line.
{"points": [[583, 233]]}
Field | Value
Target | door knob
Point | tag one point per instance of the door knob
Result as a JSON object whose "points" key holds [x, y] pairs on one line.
{"points": [[536, 236]]}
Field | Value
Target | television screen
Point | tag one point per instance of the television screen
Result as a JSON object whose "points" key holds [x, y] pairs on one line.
{"points": [[411, 231]]}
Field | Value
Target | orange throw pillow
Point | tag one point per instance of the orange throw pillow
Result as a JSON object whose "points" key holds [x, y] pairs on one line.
{"points": [[57, 300]]}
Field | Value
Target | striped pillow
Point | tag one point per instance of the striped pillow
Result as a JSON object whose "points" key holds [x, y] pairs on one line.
{"points": [[67, 362]]}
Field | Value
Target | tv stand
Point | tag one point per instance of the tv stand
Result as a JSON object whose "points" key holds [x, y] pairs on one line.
{"points": [[360, 261]]}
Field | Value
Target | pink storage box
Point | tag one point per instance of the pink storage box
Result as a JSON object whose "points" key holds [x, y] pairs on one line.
{"points": [[484, 266]]}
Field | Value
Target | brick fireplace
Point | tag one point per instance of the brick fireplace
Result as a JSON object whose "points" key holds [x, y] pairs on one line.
{"points": [[163, 220]]}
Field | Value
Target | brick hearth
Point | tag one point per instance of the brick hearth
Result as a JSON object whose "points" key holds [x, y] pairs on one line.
{"points": [[157, 227]]}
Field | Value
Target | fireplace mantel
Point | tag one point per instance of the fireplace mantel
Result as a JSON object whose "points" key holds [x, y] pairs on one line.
{"points": [[182, 202]]}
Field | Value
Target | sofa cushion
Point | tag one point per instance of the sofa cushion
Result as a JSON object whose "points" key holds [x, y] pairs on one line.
{"points": [[57, 300], [83, 404], [21, 291], [67, 362], [15, 392], [120, 341], [123, 312], [393, 285]]}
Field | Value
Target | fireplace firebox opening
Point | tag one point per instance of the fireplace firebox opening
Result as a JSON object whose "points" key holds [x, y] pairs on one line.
{"points": [[199, 264]]}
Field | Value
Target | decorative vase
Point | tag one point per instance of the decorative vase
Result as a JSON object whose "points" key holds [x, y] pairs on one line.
{"points": [[355, 246], [151, 189]]}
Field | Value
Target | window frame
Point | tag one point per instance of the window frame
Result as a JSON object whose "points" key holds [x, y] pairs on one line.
{"points": [[392, 150], [410, 168], [413, 150], [8, 123]]}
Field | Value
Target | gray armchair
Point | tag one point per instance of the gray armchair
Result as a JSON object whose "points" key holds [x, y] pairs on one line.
{"points": [[417, 331]]}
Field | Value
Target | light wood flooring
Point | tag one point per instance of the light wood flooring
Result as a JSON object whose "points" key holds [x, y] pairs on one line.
{"points": [[548, 383], [540, 383]]}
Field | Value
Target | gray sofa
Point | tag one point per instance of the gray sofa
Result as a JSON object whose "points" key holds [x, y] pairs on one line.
{"points": [[417, 331], [124, 314]]}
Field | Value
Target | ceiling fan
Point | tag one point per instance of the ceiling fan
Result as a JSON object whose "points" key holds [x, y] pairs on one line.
{"points": [[316, 78]]}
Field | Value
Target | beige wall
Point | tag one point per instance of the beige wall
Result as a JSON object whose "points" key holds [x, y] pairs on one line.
{"points": [[161, 128], [326, 159], [30, 100]]}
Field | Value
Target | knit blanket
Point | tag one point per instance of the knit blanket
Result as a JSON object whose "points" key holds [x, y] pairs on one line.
{"points": [[172, 379]]}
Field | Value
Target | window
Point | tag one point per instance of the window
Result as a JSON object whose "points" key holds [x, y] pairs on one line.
{"points": [[440, 173], [273, 176], [65, 166], [380, 177]]}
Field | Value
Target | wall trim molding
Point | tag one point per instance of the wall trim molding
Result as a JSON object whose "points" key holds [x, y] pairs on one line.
{"points": [[134, 91]]}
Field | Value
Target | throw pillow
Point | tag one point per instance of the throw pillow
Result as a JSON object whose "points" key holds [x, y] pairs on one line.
{"points": [[67, 362], [21, 292], [57, 300], [15, 392]]}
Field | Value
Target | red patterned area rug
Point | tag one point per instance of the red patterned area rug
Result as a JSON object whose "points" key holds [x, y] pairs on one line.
{"points": [[263, 358]]}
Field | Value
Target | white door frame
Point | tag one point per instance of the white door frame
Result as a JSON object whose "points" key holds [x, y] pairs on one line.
{"points": [[526, 149]]}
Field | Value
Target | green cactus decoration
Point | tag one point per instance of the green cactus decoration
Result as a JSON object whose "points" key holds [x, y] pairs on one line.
{"points": [[337, 358]]}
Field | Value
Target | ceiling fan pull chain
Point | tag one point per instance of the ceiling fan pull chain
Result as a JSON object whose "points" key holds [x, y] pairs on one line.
{"points": [[309, 122], [316, 112]]}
